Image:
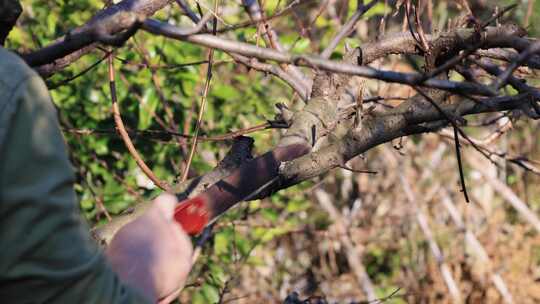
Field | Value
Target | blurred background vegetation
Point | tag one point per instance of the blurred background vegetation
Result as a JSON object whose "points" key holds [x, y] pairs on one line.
{"points": [[265, 250]]}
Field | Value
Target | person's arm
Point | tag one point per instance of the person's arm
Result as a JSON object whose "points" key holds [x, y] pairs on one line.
{"points": [[47, 254]]}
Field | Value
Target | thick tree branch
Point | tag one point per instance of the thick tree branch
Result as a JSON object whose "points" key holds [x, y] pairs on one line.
{"points": [[110, 19], [407, 119], [72, 42]]}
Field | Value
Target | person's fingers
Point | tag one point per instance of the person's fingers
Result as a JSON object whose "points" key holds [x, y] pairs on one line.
{"points": [[165, 204], [168, 299], [184, 239]]}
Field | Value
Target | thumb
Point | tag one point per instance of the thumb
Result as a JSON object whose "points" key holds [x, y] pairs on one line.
{"points": [[165, 204]]}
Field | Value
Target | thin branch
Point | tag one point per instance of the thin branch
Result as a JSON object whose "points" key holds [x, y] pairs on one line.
{"points": [[202, 108], [533, 49], [253, 63], [295, 83], [460, 165], [452, 120], [166, 135], [347, 28], [53, 86], [286, 10], [271, 39], [519, 160], [166, 66], [185, 7], [469, 50], [408, 12], [508, 56], [420, 30], [531, 109], [125, 136], [358, 171]]}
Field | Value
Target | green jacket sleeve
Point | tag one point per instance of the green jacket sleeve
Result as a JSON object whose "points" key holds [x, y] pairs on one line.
{"points": [[46, 253]]}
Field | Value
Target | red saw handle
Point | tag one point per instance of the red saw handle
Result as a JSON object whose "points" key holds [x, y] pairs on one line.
{"points": [[193, 215]]}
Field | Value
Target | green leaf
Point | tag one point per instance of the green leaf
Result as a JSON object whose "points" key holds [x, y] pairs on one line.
{"points": [[297, 205], [270, 214], [379, 9], [210, 293], [221, 243], [225, 92], [101, 146], [302, 45], [52, 21]]}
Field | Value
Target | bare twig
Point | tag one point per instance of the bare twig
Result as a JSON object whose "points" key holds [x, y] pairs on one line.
{"points": [[253, 63], [167, 135], [125, 136], [460, 165], [53, 86], [347, 28], [448, 64], [270, 36], [533, 49], [519, 160], [201, 110]]}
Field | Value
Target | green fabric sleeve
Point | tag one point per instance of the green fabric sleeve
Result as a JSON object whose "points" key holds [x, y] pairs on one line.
{"points": [[46, 251]]}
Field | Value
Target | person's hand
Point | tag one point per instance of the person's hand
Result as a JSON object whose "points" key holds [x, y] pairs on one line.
{"points": [[153, 253]]}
